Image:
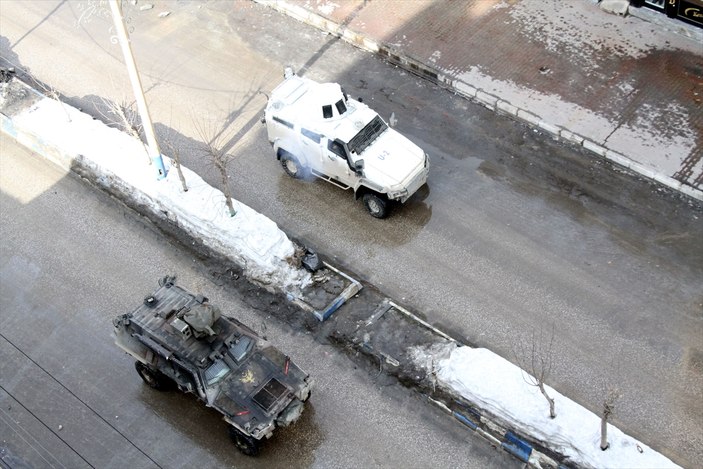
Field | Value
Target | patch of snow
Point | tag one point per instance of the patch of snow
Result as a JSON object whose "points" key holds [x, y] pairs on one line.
{"points": [[500, 6], [678, 137], [583, 31], [626, 87], [550, 107], [436, 55], [327, 8], [499, 387], [249, 238], [429, 357], [675, 141]]}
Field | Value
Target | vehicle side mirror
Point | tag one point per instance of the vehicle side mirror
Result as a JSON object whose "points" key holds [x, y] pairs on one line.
{"points": [[359, 167]]}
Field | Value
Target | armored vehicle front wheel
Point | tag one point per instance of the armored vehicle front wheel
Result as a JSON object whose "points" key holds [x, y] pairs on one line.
{"points": [[154, 378], [377, 206], [245, 443], [291, 165]]}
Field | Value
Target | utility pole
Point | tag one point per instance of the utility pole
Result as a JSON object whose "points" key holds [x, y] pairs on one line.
{"points": [[123, 37]]}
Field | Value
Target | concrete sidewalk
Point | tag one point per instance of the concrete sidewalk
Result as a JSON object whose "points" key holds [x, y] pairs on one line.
{"points": [[629, 89]]}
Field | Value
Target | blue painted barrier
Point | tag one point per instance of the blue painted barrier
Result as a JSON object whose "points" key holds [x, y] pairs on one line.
{"points": [[330, 309], [517, 447], [475, 413], [465, 420]]}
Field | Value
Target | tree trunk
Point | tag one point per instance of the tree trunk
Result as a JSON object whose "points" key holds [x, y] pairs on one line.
{"points": [[225, 188], [604, 433], [228, 201], [180, 174], [552, 412]]}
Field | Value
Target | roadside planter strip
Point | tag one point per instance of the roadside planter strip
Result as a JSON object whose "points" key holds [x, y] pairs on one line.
{"points": [[317, 300], [75, 141]]}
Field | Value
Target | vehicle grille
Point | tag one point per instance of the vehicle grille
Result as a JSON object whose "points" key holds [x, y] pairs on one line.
{"points": [[415, 183], [270, 394]]}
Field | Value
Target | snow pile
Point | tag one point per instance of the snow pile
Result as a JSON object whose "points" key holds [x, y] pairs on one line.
{"points": [[498, 387], [121, 164]]}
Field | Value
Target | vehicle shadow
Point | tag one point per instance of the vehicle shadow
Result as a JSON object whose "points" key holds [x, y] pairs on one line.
{"points": [[292, 446]]}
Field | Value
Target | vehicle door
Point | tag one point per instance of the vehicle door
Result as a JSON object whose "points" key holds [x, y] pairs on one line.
{"points": [[311, 143], [336, 165], [184, 379]]}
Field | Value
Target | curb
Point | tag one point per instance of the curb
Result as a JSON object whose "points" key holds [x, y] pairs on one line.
{"points": [[500, 437], [488, 100], [461, 410], [323, 314], [660, 19]]}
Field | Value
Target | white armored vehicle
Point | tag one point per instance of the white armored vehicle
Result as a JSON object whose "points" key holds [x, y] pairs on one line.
{"points": [[182, 341], [317, 130]]}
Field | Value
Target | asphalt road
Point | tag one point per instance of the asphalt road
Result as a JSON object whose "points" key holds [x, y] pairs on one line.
{"points": [[516, 232], [72, 259]]}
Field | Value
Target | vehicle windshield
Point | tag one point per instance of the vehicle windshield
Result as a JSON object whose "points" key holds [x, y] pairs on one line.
{"points": [[367, 135], [241, 347], [216, 372]]}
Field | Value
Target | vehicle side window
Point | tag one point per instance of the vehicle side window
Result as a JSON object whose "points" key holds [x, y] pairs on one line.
{"points": [[336, 148], [311, 135], [327, 111]]}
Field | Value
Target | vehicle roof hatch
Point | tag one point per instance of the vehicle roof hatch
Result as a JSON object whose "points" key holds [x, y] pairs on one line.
{"points": [[201, 318]]}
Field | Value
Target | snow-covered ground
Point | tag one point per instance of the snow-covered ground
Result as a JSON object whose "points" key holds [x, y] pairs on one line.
{"points": [[502, 389], [249, 238], [67, 135]]}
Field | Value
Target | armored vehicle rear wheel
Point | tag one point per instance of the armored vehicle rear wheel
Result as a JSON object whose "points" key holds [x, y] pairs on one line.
{"points": [[245, 443], [377, 206], [154, 378], [291, 165]]}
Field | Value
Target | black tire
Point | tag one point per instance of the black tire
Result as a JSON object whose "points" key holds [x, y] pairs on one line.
{"points": [[244, 443], [376, 206], [154, 378], [291, 165]]}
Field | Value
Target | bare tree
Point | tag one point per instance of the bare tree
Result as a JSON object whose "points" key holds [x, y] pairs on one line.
{"points": [[52, 93], [536, 364], [215, 148], [608, 408], [223, 139], [169, 139], [176, 155], [125, 117]]}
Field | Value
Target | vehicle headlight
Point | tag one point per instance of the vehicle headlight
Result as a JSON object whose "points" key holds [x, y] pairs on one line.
{"points": [[397, 192], [260, 430]]}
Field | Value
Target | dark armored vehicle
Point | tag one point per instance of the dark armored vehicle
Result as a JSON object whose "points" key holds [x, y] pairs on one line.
{"points": [[181, 341]]}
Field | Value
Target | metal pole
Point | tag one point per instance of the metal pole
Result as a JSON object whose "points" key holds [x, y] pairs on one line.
{"points": [[123, 37]]}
